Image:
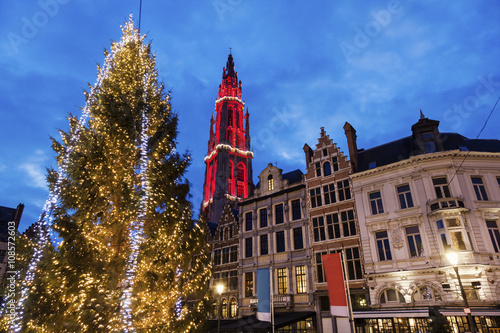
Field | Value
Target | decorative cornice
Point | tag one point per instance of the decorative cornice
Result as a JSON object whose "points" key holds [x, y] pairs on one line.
{"points": [[229, 98], [222, 146]]}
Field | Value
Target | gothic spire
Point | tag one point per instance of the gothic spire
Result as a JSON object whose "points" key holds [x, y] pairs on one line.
{"points": [[230, 66]]}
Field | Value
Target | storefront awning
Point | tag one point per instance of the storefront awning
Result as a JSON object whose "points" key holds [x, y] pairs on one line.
{"points": [[392, 313], [474, 311]]}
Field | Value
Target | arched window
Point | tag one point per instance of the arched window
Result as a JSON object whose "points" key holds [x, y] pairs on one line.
{"points": [[230, 117], [241, 178], [425, 294], [230, 134], [215, 309], [270, 183], [233, 308], [226, 233], [237, 117], [230, 179], [224, 308], [327, 171], [391, 296]]}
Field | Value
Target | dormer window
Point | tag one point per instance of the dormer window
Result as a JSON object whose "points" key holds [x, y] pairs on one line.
{"points": [[270, 183], [429, 143]]}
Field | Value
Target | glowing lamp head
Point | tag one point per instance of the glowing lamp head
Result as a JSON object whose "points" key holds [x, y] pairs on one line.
{"points": [[452, 257], [220, 288]]}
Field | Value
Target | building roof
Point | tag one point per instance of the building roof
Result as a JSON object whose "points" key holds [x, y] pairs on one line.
{"points": [[404, 148], [294, 176]]}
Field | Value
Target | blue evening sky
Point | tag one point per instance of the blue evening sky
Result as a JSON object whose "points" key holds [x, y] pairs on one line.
{"points": [[303, 65]]}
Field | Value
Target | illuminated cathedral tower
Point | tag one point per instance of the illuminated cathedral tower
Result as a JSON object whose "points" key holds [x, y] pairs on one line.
{"points": [[228, 173]]}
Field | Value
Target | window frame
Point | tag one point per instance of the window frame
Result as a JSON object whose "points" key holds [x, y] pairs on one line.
{"points": [[301, 279], [414, 240], [264, 245], [404, 195], [282, 281], [442, 189], [298, 238], [249, 221], [479, 188], [263, 220], [279, 214], [296, 209], [383, 245], [376, 203], [280, 241], [249, 247]]}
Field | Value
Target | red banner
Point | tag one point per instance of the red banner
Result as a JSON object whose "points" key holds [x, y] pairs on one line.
{"points": [[332, 265]]}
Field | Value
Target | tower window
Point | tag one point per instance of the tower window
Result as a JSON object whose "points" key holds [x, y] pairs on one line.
{"points": [[270, 183], [429, 143], [230, 117]]}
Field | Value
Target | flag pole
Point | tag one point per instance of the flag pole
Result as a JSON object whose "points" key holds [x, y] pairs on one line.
{"points": [[272, 302], [346, 285]]}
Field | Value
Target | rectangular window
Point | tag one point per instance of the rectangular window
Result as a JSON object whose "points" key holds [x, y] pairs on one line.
{"points": [[498, 181], [315, 194], [344, 190], [225, 255], [233, 280], [278, 210], [335, 163], [429, 143], [248, 247], [477, 183], [329, 194], [319, 229], [404, 195], [280, 241], [333, 226], [441, 187], [318, 169], [384, 250], [301, 279], [353, 261], [248, 221], [414, 242], [298, 242], [282, 281], [348, 223], [319, 267], [376, 203], [494, 234], [249, 284], [264, 246], [233, 254], [217, 257], [296, 213], [263, 217]]}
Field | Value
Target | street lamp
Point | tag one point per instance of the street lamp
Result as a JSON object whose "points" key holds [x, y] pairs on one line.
{"points": [[220, 289], [453, 259]]}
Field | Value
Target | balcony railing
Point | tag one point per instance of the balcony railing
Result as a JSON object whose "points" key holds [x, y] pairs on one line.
{"points": [[445, 204]]}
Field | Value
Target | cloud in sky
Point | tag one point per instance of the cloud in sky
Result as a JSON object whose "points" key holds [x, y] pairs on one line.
{"points": [[288, 54]]}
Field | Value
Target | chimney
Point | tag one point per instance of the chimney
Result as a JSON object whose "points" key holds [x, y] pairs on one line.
{"points": [[350, 134]]}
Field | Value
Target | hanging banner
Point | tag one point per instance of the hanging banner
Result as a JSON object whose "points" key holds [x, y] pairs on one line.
{"points": [[263, 295], [332, 264]]}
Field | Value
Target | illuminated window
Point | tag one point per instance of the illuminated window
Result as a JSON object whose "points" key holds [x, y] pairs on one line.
{"points": [[233, 308], [384, 250], [477, 183], [215, 305], [301, 279], [315, 195], [329, 193], [414, 242], [392, 296], [441, 187], [327, 170], [494, 234], [270, 183], [404, 195], [224, 308], [452, 234], [249, 284], [376, 202], [282, 281]]}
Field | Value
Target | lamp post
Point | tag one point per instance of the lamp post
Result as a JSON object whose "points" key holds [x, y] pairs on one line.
{"points": [[220, 289], [453, 259]]}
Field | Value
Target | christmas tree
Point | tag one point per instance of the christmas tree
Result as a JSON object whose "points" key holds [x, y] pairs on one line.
{"points": [[131, 255]]}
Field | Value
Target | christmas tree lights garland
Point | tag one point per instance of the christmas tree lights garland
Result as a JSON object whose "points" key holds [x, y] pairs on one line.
{"points": [[51, 203], [137, 229]]}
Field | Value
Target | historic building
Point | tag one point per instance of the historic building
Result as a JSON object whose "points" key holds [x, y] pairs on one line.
{"points": [[274, 234], [417, 199], [228, 173], [333, 225]]}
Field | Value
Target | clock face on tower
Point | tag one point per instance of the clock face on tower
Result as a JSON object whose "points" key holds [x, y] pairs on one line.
{"points": [[228, 173]]}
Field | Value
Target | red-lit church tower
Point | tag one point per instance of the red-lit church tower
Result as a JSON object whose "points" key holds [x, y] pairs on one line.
{"points": [[228, 173]]}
